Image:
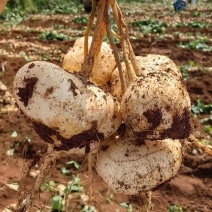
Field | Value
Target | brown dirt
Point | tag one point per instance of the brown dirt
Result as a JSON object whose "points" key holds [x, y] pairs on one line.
{"points": [[191, 188]]}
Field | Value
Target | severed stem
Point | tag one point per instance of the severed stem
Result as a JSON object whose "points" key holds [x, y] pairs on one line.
{"points": [[129, 46], [115, 50], [131, 52], [97, 40], [123, 34], [89, 27], [198, 144]]}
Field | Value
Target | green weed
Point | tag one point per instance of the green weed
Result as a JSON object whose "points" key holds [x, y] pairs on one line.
{"points": [[184, 69], [175, 208], [53, 35], [81, 20], [127, 206], [198, 44], [201, 108], [150, 26]]}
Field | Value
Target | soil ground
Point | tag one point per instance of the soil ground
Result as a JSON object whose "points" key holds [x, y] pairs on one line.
{"points": [[191, 188]]}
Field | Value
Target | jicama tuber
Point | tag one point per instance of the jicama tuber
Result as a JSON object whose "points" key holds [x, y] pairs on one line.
{"points": [[103, 65], [157, 106], [130, 166], [151, 63], [63, 108]]}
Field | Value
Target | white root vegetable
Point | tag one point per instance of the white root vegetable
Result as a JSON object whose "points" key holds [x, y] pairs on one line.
{"points": [[103, 66], [62, 107], [131, 168], [157, 107], [151, 63]]}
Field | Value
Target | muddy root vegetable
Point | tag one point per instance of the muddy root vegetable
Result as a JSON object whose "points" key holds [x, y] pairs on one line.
{"points": [[157, 107], [63, 109], [103, 66], [151, 63], [129, 167]]}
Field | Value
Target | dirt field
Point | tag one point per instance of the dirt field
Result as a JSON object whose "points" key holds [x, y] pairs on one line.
{"points": [[21, 147]]}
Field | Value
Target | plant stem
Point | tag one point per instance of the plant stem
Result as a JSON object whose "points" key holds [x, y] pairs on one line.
{"points": [[89, 27], [97, 40], [129, 46], [123, 34], [115, 50]]}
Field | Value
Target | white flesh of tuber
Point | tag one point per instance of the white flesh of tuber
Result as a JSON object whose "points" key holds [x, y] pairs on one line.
{"points": [[151, 63], [130, 168], [157, 106], [70, 109], [103, 66]]}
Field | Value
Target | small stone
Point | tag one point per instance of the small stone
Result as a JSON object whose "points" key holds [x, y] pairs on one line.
{"points": [[3, 87], [60, 188], [34, 174], [3, 110], [10, 109], [7, 94], [9, 208], [194, 152], [7, 100], [73, 196], [84, 198], [12, 101]]}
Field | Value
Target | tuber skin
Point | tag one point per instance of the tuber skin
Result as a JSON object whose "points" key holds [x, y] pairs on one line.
{"points": [[103, 66], [151, 63], [130, 166], [64, 109], [157, 106]]}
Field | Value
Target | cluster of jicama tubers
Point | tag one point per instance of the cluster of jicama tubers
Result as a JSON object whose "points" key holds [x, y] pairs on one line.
{"points": [[93, 94]]}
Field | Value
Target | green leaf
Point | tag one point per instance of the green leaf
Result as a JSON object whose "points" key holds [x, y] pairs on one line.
{"points": [[127, 206], [75, 164], [49, 186], [65, 171], [10, 152], [175, 208], [14, 134], [201, 108], [74, 186], [124, 204], [89, 209], [57, 203], [208, 129], [14, 186]]}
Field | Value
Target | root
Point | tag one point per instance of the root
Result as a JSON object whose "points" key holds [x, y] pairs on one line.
{"points": [[115, 51], [90, 174], [126, 43], [146, 201], [123, 31], [129, 46], [27, 200], [198, 144]]}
